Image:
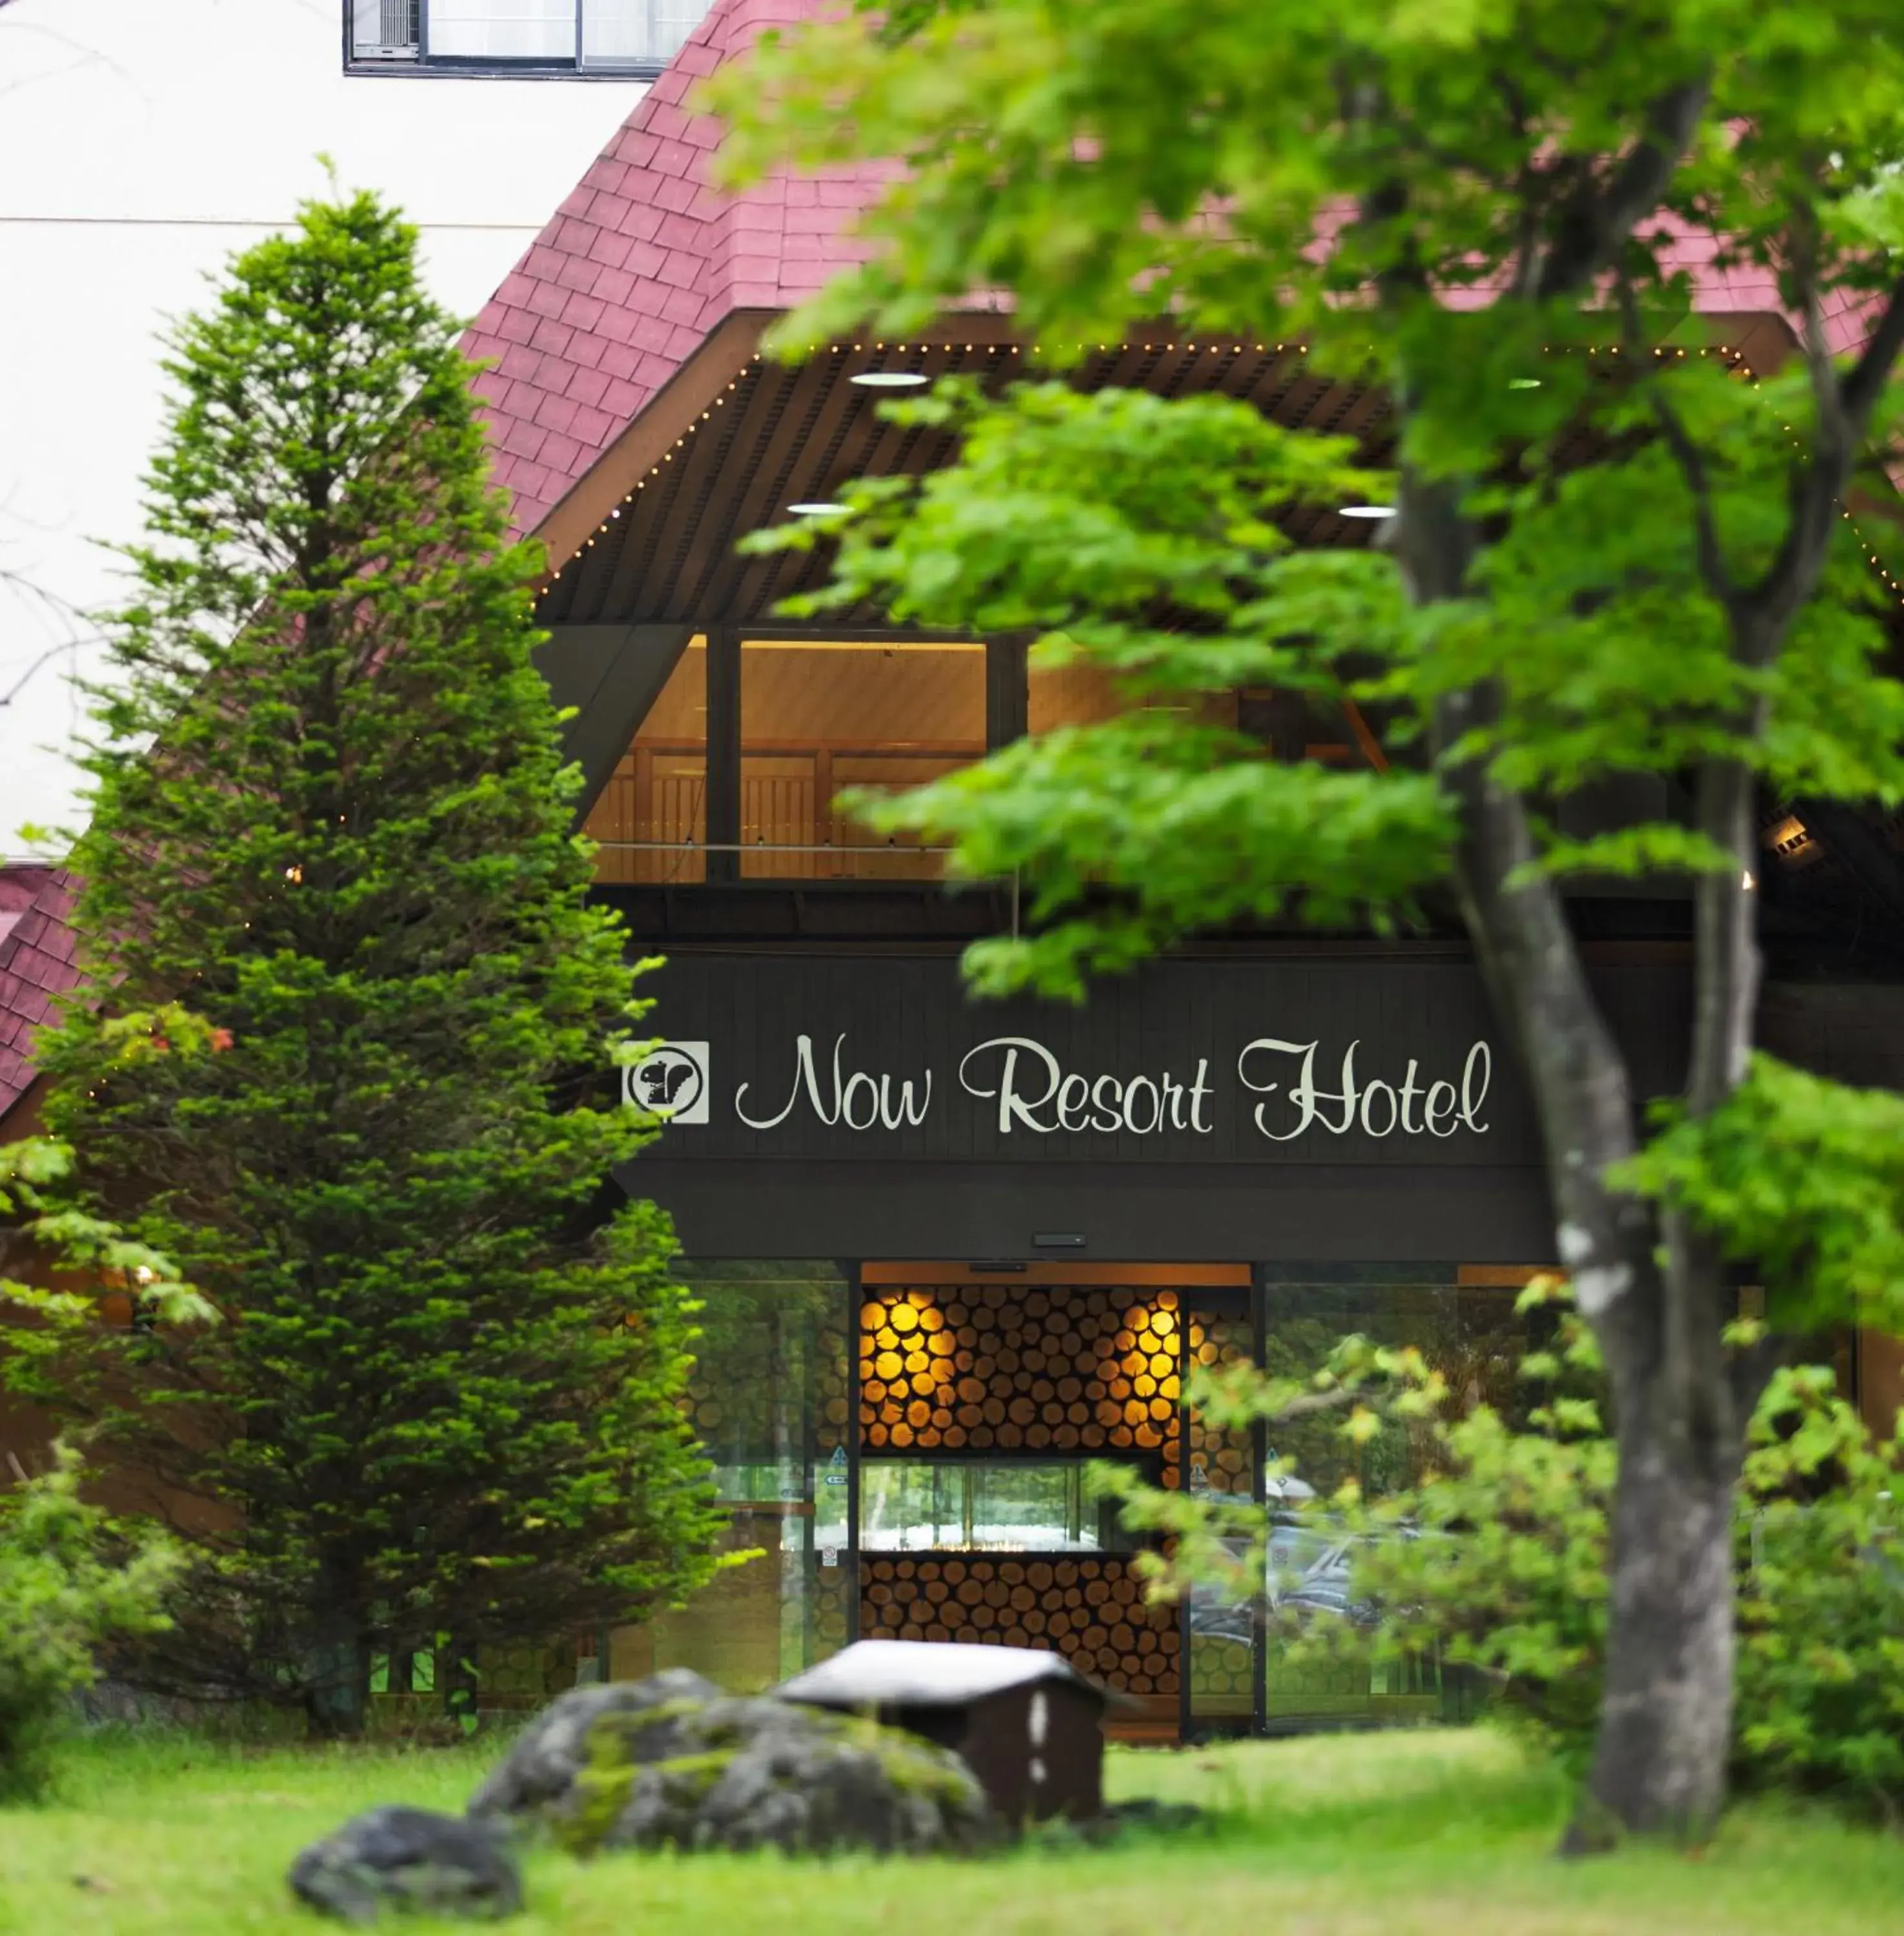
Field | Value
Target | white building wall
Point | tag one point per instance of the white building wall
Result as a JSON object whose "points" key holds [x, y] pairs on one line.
{"points": [[141, 142]]}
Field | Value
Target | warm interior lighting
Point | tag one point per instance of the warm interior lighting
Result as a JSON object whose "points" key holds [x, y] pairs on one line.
{"points": [[658, 792], [1788, 837], [1368, 510], [889, 380], [885, 648], [907, 1370], [1010, 1369]]}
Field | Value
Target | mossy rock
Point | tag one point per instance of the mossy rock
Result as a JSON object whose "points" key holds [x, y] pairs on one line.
{"points": [[539, 1770], [409, 1859], [734, 1774]]}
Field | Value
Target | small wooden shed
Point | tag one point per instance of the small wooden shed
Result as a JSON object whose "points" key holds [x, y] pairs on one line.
{"points": [[1028, 1725]]}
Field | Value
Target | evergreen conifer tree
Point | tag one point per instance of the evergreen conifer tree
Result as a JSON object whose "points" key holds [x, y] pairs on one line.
{"points": [[329, 812]]}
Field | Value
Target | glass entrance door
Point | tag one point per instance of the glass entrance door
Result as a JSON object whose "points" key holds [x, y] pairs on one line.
{"points": [[1222, 1643], [982, 1396]]}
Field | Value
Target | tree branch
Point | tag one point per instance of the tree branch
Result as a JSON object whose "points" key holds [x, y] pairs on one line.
{"points": [[1726, 947], [1863, 383], [1522, 940], [1528, 955], [1709, 547], [1844, 408], [1310, 1403], [1598, 224]]}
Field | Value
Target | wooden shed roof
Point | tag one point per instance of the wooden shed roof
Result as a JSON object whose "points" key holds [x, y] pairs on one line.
{"points": [[927, 1674]]}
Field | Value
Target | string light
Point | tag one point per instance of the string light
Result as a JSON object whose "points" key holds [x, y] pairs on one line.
{"points": [[654, 471], [1734, 358]]}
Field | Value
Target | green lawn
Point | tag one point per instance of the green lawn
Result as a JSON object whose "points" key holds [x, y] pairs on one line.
{"points": [[1441, 1834]]}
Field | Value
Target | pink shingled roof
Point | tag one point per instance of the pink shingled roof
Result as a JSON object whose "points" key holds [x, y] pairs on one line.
{"points": [[642, 261], [638, 266], [633, 272], [1742, 289], [36, 964]]}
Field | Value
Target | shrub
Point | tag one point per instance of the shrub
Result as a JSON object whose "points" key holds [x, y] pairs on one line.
{"points": [[71, 1581], [1504, 1566], [1497, 1559], [1500, 1564], [1821, 1674]]}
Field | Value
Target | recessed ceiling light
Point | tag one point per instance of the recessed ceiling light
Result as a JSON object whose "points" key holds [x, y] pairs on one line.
{"points": [[815, 510], [888, 380], [1368, 510]]}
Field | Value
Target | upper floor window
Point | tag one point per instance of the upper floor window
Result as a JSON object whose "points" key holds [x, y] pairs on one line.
{"points": [[747, 787], [610, 37], [820, 716], [651, 818], [817, 717]]}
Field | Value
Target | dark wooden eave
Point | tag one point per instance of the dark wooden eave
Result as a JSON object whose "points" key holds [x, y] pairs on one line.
{"points": [[650, 537], [776, 435]]}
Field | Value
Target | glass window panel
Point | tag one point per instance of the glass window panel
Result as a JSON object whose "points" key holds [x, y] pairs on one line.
{"points": [[1294, 726], [637, 33], [1470, 1333], [768, 1402], [1221, 1657], [1030, 1506], [1081, 693], [977, 1505], [1468, 1330], [540, 30], [1077, 694], [817, 717], [651, 816]]}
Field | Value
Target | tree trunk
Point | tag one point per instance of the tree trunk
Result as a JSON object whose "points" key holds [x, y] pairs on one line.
{"points": [[1659, 1764], [337, 1700], [337, 1676], [1660, 1756]]}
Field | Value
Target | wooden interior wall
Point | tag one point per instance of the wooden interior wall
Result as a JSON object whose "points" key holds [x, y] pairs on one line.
{"points": [[1088, 1607], [970, 1368], [1051, 1369]]}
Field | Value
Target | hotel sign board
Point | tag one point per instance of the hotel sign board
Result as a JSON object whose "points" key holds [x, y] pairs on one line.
{"points": [[1188, 1062]]}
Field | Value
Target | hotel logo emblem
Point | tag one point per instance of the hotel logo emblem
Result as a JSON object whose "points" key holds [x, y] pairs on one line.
{"points": [[670, 1080]]}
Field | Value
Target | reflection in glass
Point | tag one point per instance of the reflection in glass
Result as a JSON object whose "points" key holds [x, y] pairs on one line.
{"points": [[919, 1505], [1471, 1333], [531, 30], [651, 816], [818, 717], [1083, 694], [637, 33], [767, 1401], [1222, 1636]]}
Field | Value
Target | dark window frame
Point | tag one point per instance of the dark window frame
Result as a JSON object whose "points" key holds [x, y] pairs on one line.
{"points": [[422, 65]]}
